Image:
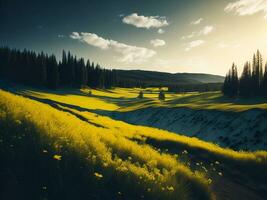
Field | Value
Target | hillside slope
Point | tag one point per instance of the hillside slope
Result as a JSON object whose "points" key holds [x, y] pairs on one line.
{"points": [[245, 130], [71, 152], [58, 153], [235, 123], [154, 78]]}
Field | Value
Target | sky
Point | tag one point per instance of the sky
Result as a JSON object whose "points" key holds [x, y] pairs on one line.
{"points": [[198, 36]]}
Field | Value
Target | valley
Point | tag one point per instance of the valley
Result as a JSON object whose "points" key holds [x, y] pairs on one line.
{"points": [[213, 171]]}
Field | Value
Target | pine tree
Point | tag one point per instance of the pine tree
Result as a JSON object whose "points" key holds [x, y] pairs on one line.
{"points": [[245, 81], [81, 73], [63, 69], [234, 81], [264, 82], [231, 82], [226, 84], [89, 70], [140, 95], [161, 96], [257, 73], [52, 72]]}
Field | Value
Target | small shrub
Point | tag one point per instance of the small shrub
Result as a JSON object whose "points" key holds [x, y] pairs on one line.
{"points": [[161, 96], [140, 95]]}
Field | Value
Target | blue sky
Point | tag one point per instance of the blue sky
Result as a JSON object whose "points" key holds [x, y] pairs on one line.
{"points": [[174, 35]]}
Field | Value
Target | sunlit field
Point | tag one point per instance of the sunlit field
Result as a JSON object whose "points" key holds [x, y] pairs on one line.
{"points": [[125, 99], [64, 147], [133, 100], [106, 156]]}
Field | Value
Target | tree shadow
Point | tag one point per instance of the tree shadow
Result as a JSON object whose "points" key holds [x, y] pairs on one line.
{"points": [[216, 98]]}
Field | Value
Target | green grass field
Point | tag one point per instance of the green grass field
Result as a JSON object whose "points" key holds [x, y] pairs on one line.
{"points": [[122, 99], [51, 149]]}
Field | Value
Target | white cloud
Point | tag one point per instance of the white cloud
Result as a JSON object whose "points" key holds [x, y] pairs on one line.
{"points": [[161, 31], [75, 35], [206, 30], [92, 39], [247, 7], [196, 22], [194, 44], [193, 34], [129, 54], [147, 22], [157, 43]]}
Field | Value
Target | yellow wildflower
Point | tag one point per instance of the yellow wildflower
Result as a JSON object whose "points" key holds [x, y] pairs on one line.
{"points": [[98, 175], [57, 157], [170, 188]]}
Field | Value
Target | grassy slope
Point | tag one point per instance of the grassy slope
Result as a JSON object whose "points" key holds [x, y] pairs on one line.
{"points": [[121, 99], [97, 154], [202, 156]]}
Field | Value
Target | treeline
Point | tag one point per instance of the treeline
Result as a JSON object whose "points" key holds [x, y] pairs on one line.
{"points": [[253, 81], [40, 69], [204, 87]]}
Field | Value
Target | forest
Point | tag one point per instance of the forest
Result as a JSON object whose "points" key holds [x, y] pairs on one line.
{"points": [[43, 70], [252, 82], [40, 69], [203, 87]]}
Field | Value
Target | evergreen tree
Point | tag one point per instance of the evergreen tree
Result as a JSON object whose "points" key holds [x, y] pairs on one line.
{"points": [[89, 70], [63, 69], [245, 81], [264, 82], [140, 95], [234, 81], [161, 96], [227, 84], [231, 83], [52, 72], [81, 73], [257, 73]]}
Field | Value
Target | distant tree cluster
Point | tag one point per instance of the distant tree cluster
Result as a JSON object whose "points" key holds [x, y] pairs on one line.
{"points": [[140, 95], [129, 83], [253, 81], [40, 69], [204, 87], [161, 95]]}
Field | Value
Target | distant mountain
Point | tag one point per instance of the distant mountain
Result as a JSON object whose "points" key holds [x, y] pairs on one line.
{"points": [[154, 78]]}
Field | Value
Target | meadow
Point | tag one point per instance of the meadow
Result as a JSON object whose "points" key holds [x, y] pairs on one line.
{"points": [[61, 146], [54, 146], [125, 99]]}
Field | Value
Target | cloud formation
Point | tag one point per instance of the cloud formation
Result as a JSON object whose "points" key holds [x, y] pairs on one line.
{"points": [[194, 44], [157, 43], [191, 35], [204, 31], [147, 22], [247, 7], [161, 31], [129, 53], [92, 39], [196, 22]]}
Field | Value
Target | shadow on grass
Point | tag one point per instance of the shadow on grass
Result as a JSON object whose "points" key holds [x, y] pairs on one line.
{"points": [[216, 98], [250, 176]]}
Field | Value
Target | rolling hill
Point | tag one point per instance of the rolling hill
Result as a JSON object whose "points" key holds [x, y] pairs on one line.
{"points": [[76, 150], [154, 78]]}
